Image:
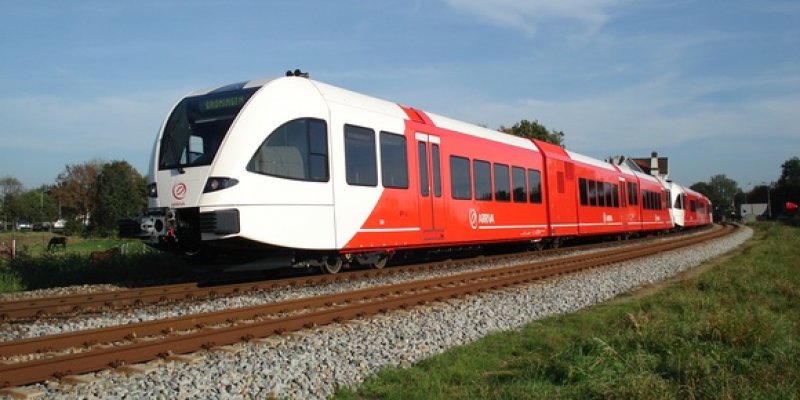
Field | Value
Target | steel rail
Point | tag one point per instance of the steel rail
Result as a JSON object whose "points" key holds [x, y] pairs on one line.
{"points": [[380, 299]]}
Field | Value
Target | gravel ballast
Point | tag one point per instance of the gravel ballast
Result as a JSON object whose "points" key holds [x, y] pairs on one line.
{"points": [[313, 363]]}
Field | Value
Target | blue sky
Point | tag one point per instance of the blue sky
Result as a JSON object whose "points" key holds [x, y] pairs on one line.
{"points": [[714, 86]]}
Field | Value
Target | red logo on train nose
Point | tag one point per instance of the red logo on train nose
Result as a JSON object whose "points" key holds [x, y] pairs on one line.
{"points": [[179, 190]]}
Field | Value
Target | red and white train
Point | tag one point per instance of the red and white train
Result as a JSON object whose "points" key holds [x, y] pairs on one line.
{"points": [[315, 175]]}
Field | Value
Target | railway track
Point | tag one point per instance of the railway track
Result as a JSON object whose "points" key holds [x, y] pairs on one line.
{"points": [[76, 304], [77, 352]]}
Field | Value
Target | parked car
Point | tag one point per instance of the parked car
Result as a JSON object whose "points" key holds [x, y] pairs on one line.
{"points": [[60, 224], [22, 225], [41, 226]]}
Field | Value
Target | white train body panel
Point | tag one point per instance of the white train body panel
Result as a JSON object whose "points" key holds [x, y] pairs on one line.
{"points": [[303, 212], [677, 197], [355, 203], [284, 212]]}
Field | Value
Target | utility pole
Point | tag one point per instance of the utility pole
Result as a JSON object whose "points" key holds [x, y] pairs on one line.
{"points": [[769, 202]]}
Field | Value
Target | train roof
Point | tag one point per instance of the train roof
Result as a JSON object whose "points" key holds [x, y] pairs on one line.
{"points": [[634, 170], [233, 86], [479, 131], [350, 98], [591, 161]]}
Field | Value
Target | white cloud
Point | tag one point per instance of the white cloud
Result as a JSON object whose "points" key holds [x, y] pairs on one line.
{"points": [[662, 112], [528, 15]]}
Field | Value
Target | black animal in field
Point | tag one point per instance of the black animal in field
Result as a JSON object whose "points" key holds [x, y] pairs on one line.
{"points": [[57, 241]]}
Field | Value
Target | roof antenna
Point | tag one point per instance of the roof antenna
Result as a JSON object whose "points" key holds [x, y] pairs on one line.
{"points": [[297, 72]]}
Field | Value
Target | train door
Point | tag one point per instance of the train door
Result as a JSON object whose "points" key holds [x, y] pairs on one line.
{"points": [[432, 210], [623, 204], [562, 197]]}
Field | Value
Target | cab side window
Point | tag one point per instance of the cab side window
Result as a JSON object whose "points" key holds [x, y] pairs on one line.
{"points": [[296, 150]]}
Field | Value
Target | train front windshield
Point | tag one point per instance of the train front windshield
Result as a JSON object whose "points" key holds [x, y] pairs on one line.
{"points": [[196, 127]]}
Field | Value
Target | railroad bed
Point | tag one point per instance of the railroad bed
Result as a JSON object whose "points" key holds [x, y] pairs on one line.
{"points": [[71, 301], [313, 362]]}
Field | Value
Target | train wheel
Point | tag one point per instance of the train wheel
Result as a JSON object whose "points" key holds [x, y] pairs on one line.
{"points": [[556, 243], [381, 261], [331, 265]]}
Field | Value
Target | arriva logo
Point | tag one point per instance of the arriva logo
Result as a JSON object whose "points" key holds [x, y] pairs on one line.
{"points": [[473, 218], [179, 190], [476, 219]]}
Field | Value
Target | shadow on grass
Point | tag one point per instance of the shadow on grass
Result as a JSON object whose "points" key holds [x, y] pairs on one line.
{"points": [[55, 270]]}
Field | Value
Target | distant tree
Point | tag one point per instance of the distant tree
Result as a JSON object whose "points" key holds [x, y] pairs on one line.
{"points": [[721, 190], [120, 193], [788, 186], [32, 205], [9, 188], [9, 184], [758, 194], [702, 187], [534, 130], [76, 188]]}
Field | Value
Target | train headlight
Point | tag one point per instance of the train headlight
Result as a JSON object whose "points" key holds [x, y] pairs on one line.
{"points": [[152, 190], [215, 183]]}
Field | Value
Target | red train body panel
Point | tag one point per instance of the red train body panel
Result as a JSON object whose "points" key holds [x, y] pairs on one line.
{"points": [[575, 195], [697, 209], [430, 214]]}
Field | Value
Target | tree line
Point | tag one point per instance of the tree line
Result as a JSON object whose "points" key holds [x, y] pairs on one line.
{"points": [[726, 195], [92, 196], [88, 197]]}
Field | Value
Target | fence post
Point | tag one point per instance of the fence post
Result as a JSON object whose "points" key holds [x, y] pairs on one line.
{"points": [[13, 248]]}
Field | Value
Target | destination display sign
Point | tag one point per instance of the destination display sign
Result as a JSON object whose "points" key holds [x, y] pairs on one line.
{"points": [[219, 103]]}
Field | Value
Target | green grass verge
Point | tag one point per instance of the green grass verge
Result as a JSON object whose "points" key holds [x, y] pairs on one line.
{"points": [[732, 332]]}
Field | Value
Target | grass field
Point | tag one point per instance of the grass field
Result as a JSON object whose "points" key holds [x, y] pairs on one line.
{"points": [[34, 244], [36, 268], [732, 332]]}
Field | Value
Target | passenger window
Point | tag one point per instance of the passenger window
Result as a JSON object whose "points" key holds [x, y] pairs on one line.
{"points": [[460, 182], [502, 188], [584, 194], [483, 180], [296, 150], [535, 186], [518, 180], [422, 156], [601, 194], [633, 193], [436, 171], [359, 156], [394, 161], [592, 193]]}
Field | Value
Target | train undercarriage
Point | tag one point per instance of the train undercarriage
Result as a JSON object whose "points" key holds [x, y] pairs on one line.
{"points": [[179, 231]]}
